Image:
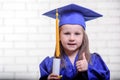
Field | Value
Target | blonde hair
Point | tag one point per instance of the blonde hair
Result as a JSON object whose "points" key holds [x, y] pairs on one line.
{"points": [[85, 47]]}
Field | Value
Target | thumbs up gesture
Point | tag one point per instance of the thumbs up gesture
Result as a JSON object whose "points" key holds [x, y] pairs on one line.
{"points": [[82, 65]]}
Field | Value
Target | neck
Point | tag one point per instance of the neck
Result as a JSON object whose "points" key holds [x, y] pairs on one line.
{"points": [[71, 55]]}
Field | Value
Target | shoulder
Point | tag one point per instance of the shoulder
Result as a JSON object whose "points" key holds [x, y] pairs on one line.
{"points": [[98, 67], [46, 67], [95, 57], [48, 60]]}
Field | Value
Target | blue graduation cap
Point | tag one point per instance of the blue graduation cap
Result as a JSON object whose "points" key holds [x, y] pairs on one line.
{"points": [[73, 14]]}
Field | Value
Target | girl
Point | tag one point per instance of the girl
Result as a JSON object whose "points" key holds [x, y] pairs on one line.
{"points": [[76, 61]]}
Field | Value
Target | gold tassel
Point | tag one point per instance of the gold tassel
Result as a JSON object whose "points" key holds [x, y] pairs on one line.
{"points": [[57, 55]]}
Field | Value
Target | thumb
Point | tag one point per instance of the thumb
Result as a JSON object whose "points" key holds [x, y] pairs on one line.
{"points": [[83, 56]]}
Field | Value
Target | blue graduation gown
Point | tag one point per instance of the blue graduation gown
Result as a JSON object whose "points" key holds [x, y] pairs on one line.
{"points": [[96, 71]]}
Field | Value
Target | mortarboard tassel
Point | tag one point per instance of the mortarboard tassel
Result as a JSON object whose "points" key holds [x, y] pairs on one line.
{"points": [[57, 54]]}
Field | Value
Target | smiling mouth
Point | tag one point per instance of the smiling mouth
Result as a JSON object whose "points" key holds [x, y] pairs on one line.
{"points": [[71, 44]]}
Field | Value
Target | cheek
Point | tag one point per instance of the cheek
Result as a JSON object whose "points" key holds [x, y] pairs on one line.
{"points": [[62, 39], [80, 40]]}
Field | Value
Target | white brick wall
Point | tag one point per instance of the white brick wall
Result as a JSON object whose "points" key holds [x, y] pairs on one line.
{"points": [[27, 37]]}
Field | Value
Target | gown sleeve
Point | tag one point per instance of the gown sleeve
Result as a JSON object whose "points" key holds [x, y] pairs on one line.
{"points": [[98, 70], [45, 68]]}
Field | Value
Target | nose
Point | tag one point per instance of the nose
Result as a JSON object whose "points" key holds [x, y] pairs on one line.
{"points": [[72, 38]]}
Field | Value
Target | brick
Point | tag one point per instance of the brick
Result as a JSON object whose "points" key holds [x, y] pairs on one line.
{"points": [[1, 4], [114, 51], [46, 45], [29, 76], [109, 21], [115, 29], [1, 52], [6, 44], [15, 21], [114, 43], [1, 21], [6, 75], [5, 30], [114, 67], [105, 36], [7, 60], [15, 52], [1, 37], [106, 5], [26, 14], [109, 51], [26, 60], [23, 45], [34, 6], [33, 68], [46, 30], [16, 37], [15, 68], [18, 1], [25, 30], [115, 75], [114, 59], [1, 68], [45, 7], [34, 21], [39, 37], [13, 6], [92, 28], [43, 52], [7, 13]]}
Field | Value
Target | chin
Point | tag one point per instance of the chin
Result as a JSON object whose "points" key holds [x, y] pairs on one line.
{"points": [[72, 50]]}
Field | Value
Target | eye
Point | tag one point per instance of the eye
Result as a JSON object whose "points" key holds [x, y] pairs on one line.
{"points": [[67, 33], [77, 33]]}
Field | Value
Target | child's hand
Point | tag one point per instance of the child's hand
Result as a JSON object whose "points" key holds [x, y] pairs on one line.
{"points": [[82, 65], [53, 77]]}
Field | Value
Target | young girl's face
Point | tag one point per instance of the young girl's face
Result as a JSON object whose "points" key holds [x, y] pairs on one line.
{"points": [[71, 37]]}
